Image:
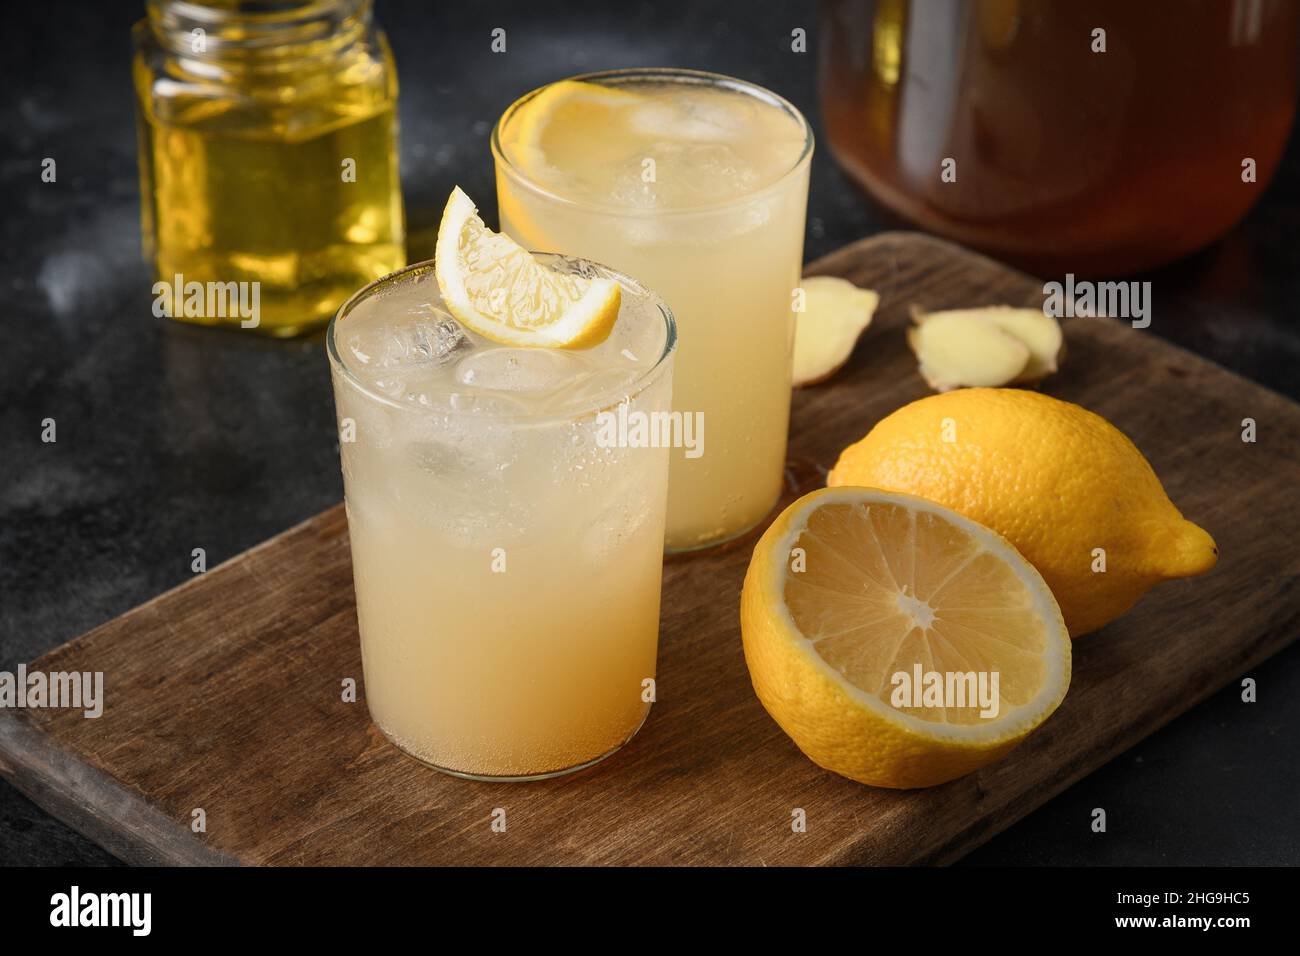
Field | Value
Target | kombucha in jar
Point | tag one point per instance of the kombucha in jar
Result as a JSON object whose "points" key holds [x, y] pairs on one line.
{"points": [[1072, 149]]}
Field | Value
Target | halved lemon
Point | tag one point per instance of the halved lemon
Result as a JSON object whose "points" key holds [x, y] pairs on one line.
{"points": [[495, 287], [868, 619]]}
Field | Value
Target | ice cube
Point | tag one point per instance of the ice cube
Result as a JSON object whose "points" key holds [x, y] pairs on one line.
{"points": [[708, 172], [530, 371], [431, 338], [604, 387], [404, 355], [686, 174], [617, 524], [627, 187], [465, 484], [698, 118]]}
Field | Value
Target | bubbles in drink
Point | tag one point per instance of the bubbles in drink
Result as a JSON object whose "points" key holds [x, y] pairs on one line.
{"points": [[617, 523], [537, 371]]}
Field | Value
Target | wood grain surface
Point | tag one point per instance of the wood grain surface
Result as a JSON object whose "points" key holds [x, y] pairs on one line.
{"points": [[224, 694]]}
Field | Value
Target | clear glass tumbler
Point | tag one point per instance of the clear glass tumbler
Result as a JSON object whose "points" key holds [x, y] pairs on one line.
{"points": [[698, 184], [506, 529]]}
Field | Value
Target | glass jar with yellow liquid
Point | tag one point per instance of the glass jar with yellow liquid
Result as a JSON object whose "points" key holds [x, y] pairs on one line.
{"points": [[268, 158]]}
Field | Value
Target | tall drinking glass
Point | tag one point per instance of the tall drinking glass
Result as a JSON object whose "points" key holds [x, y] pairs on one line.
{"points": [[507, 546], [698, 184]]}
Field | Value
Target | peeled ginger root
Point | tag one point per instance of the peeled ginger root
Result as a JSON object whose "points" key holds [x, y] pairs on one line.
{"points": [[835, 314], [991, 346]]}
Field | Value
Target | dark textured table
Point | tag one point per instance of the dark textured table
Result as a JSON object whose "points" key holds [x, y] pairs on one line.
{"points": [[172, 438]]}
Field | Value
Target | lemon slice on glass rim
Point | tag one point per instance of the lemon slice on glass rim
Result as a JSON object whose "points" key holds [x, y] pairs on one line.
{"points": [[495, 287], [589, 121]]}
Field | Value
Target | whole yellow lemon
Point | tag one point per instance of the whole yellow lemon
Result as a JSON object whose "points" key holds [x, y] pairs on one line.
{"points": [[1063, 485]]}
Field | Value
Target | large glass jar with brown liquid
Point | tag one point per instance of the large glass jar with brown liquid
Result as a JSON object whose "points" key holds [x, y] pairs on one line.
{"points": [[268, 155], [1101, 137]]}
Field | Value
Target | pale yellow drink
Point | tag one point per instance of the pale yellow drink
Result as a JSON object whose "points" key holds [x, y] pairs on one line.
{"points": [[698, 185], [507, 558]]}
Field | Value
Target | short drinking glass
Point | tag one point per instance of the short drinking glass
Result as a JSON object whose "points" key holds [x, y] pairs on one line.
{"points": [[507, 538]]}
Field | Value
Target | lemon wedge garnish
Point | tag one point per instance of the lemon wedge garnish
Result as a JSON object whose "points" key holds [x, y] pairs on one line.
{"points": [[851, 588], [496, 288]]}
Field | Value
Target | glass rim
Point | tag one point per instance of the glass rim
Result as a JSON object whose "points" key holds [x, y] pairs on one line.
{"points": [[599, 402], [668, 74]]}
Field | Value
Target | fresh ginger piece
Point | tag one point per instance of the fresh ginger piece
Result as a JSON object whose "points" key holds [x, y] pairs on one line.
{"points": [[1039, 331], [986, 357], [835, 313], [958, 349]]}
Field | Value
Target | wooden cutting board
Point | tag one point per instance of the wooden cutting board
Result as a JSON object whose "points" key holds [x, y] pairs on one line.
{"points": [[224, 694]]}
